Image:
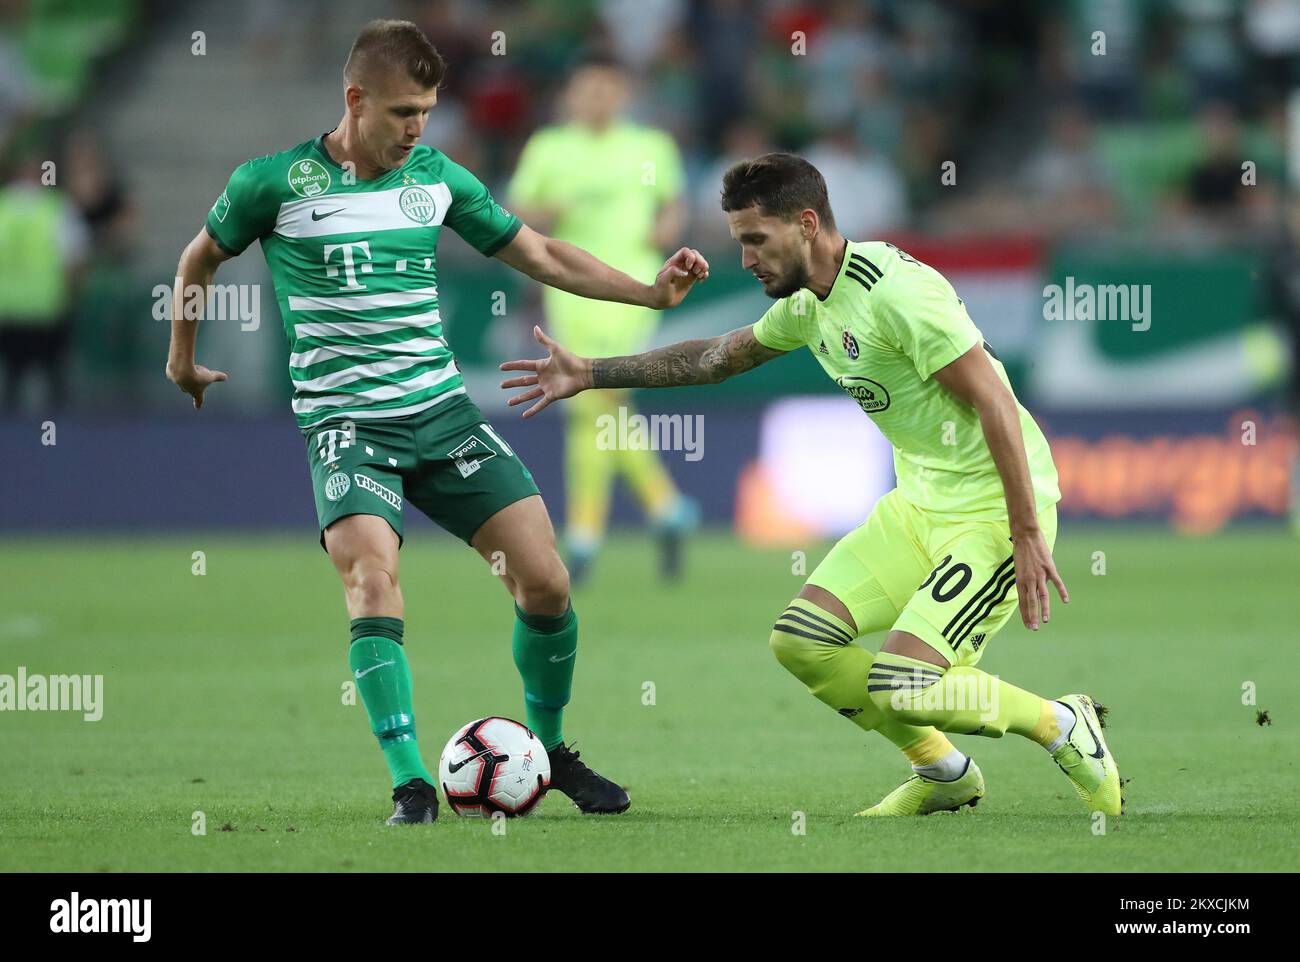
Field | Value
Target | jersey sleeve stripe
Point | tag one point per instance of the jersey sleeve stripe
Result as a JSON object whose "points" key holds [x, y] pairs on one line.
{"points": [[859, 278], [871, 270]]}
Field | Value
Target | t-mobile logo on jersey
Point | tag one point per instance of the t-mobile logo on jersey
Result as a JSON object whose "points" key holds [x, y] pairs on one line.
{"points": [[349, 266]]}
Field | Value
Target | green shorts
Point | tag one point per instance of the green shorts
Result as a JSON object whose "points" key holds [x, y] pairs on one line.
{"points": [[950, 583], [446, 460]]}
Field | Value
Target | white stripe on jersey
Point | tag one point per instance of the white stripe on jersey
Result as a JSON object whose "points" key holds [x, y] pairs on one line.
{"points": [[357, 372], [363, 302], [362, 328], [386, 392], [386, 412], [367, 212], [416, 345]]}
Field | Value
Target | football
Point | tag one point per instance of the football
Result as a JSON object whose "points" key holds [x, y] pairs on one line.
{"points": [[494, 765]]}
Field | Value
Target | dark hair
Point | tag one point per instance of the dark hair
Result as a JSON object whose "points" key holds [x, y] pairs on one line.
{"points": [[395, 45], [780, 185]]}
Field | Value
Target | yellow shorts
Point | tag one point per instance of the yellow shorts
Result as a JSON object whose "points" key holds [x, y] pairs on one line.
{"points": [[950, 583]]}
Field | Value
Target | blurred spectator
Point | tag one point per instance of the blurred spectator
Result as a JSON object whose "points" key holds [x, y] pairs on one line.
{"points": [[1214, 190], [638, 28], [1272, 29], [848, 48], [743, 139], [1067, 184], [98, 192], [728, 34], [1209, 50], [1097, 48], [18, 97], [43, 246], [866, 191]]}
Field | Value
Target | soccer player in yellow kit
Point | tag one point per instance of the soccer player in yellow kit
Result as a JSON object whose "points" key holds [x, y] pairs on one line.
{"points": [[614, 188], [944, 558]]}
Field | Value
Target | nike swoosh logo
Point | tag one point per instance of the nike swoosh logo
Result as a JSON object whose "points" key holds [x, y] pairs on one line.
{"points": [[362, 674], [1096, 742], [454, 767], [317, 215], [565, 658]]}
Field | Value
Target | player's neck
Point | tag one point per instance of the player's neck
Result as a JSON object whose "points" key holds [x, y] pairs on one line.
{"points": [[344, 147], [828, 253]]}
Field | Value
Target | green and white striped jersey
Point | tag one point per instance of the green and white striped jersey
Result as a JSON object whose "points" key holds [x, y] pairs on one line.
{"points": [[355, 272]]}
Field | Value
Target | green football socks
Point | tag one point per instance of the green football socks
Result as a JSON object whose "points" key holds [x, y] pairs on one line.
{"points": [[383, 676], [545, 648]]}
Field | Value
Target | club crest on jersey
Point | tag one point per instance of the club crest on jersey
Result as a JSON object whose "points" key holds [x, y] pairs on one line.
{"points": [[870, 395], [307, 178], [851, 346], [417, 204], [337, 485]]}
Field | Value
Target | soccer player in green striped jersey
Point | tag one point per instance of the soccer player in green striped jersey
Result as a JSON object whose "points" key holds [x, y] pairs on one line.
{"points": [[349, 224], [946, 557]]}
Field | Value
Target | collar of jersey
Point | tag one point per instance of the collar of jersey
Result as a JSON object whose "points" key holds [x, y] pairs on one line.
{"points": [[844, 263], [319, 144]]}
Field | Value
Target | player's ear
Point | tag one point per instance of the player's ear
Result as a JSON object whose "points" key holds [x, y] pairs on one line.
{"points": [[808, 224]]}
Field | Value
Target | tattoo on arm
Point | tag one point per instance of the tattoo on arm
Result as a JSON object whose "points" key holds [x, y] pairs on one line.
{"points": [[705, 361]]}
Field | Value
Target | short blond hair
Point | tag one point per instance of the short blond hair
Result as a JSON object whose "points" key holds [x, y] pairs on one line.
{"points": [[396, 45]]}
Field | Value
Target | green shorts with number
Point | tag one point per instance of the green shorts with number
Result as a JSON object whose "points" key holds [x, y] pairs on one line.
{"points": [[950, 583], [447, 461]]}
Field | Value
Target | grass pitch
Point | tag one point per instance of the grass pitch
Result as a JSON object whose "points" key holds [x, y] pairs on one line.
{"points": [[223, 695]]}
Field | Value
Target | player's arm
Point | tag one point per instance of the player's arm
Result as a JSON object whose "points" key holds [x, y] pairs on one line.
{"points": [[558, 263], [704, 361], [973, 379], [198, 265]]}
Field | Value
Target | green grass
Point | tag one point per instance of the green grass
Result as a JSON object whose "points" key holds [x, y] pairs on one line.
{"points": [[222, 695]]}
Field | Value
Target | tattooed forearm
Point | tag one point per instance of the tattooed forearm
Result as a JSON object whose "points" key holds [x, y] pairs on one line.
{"points": [[706, 361]]}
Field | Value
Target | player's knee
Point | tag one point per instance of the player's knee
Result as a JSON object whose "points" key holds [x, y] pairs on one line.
{"points": [[801, 656], [806, 638], [544, 593], [371, 587]]}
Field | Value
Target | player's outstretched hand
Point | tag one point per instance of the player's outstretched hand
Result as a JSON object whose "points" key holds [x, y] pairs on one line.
{"points": [[1034, 568], [559, 375], [194, 380], [677, 276]]}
